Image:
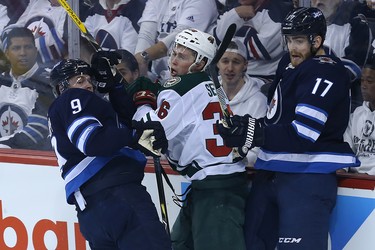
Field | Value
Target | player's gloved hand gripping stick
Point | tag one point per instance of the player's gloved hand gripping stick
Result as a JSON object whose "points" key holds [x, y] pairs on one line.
{"points": [[244, 133], [239, 132], [152, 141]]}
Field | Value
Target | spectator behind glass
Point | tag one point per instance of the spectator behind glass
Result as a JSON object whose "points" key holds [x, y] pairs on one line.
{"points": [[360, 132], [113, 23], [47, 20], [14, 11], [348, 36], [4, 18], [242, 90], [128, 66], [160, 22], [258, 28], [25, 95]]}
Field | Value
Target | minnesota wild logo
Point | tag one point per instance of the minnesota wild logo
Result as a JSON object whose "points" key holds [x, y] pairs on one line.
{"points": [[171, 82]]}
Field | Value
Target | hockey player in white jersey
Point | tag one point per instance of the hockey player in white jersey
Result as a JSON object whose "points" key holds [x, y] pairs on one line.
{"points": [[212, 215]]}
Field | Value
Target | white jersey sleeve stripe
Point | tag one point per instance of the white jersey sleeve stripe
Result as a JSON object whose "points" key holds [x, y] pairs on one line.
{"points": [[312, 113], [306, 131], [73, 127], [81, 142]]}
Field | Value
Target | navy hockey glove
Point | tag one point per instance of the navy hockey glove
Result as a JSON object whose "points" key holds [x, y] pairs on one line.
{"points": [[144, 91], [106, 75], [244, 133], [150, 138]]}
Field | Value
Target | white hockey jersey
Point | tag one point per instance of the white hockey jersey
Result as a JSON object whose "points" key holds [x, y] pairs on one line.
{"points": [[361, 137], [188, 109]]}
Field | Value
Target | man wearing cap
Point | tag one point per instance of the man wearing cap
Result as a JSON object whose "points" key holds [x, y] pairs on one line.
{"points": [[242, 90]]}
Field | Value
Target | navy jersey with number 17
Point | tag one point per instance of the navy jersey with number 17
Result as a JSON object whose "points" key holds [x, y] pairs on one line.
{"points": [[308, 112]]}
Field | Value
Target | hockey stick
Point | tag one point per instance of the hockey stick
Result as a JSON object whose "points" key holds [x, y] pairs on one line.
{"points": [[162, 200], [214, 75], [84, 31], [80, 25]]}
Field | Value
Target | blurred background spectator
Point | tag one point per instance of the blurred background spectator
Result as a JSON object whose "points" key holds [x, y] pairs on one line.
{"points": [[128, 66], [25, 95], [360, 132], [242, 90], [160, 22], [259, 29], [114, 23], [47, 20], [348, 36]]}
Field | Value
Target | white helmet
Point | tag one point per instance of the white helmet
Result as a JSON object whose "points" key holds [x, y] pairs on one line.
{"points": [[202, 43]]}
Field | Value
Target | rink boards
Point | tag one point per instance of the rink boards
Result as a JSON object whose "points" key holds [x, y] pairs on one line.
{"points": [[34, 214]]}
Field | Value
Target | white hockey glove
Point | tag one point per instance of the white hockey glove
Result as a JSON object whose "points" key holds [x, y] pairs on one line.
{"points": [[151, 139], [244, 133]]}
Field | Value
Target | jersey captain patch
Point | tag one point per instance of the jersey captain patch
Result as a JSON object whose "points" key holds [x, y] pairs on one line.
{"points": [[171, 82]]}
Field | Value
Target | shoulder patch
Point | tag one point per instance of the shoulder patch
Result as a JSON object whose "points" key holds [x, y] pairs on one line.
{"points": [[171, 82], [325, 59], [182, 84]]}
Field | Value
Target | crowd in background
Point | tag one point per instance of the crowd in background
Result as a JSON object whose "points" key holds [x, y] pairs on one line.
{"points": [[146, 29]]}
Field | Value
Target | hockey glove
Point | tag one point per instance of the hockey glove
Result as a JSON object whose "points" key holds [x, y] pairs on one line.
{"points": [[144, 91], [106, 75], [150, 138], [244, 133]]}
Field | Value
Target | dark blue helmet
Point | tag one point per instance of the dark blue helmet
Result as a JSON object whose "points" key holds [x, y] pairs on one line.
{"points": [[305, 21], [66, 69]]}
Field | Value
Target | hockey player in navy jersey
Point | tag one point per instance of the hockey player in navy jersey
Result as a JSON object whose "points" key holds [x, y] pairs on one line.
{"points": [[102, 172], [212, 216], [301, 140]]}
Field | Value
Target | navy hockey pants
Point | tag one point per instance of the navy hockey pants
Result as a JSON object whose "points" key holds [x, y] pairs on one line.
{"points": [[290, 211], [123, 217]]}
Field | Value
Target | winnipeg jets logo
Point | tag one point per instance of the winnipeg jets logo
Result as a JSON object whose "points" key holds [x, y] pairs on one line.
{"points": [[11, 120], [272, 108]]}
